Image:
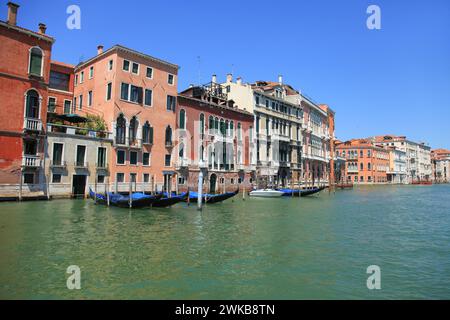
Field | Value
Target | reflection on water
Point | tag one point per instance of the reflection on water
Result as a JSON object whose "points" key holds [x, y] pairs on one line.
{"points": [[317, 247]]}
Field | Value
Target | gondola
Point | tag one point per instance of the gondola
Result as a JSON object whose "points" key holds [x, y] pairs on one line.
{"points": [[212, 198], [166, 201], [138, 200], [308, 192]]}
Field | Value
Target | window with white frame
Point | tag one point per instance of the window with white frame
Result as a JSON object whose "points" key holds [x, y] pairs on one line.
{"points": [[126, 65], [82, 77], [91, 72], [170, 79], [110, 65], [108, 91], [135, 68], [149, 73], [148, 97], [36, 61], [90, 98], [120, 156]]}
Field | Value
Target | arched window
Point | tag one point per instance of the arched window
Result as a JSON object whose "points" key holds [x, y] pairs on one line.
{"points": [[182, 119], [222, 127], [232, 129], [239, 129], [32, 104], [147, 133], [361, 166], [168, 135], [202, 123], [120, 130], [211, 124], [202, 150], [36, 61], [227, 128], [216, 124], [132, 130]]}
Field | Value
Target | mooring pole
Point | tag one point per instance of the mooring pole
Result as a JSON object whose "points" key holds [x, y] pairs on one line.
{"points": [[200, 190], [107, 191], [130, 200]]}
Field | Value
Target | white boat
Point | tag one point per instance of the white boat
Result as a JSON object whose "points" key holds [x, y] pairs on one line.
{"points": [[266, 193]]}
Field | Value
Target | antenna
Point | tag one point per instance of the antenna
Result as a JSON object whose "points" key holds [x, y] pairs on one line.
{"points": [[198, 65]]}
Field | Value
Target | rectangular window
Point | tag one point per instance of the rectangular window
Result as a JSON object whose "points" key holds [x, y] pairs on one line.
{"points": [[146, 159], [90, 98], [148, 97], [76, 80], [126, 65], [101, 157], [133, 157], [59, 81], [181, 180], [81, 155], [74, 103], [135, 68], [51, 105], [171, 101], [57, 154], [120, 157], [170, 79], [67, 106], [167, 160], [110, 65], [120, 177], [124, 88], [133, 177], [91, 72], [35, 63], [135, 94], [149, 72], [146, 177], [81, 102], [108, 91], [257, 100], [56, 178], [81, 76], [101, 178]]}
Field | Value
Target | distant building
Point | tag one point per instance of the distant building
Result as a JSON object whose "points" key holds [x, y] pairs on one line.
{"points": [[291, 133], [441, 165], [418, 156], [397, 166], [136, 96], [213, 136], [366, 163]]}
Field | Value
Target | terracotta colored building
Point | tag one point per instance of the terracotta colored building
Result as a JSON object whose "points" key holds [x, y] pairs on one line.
{"points": [[440, 159], [366, 163], [136, 96], [25, 58], [213, 136]]}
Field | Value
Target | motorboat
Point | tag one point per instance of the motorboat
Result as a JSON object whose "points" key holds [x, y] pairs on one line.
{"points": [[266, 193]]}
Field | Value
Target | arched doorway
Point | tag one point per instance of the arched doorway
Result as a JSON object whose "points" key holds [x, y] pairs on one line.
{"points": [[212, 183]]}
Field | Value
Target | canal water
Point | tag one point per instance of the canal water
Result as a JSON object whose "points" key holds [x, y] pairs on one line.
{"points": [[300, 248]]}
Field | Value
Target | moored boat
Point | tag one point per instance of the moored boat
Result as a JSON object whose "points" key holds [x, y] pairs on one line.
{"points": [[290, 192], [167, 201], [266, 193], [212, 198], [308, 192], [137, 200]]}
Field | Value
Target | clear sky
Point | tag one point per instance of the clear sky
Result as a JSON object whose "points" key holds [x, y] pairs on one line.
{"points": [[390, 81]]}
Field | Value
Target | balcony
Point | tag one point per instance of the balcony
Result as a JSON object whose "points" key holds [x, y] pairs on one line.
{"points": [[31, 161], [285, 164], [352, 170], [58, 164], [80, 165], [182, 163], [32, 124], [203, 164], [280, 137], [135, 143], [169, 144]]}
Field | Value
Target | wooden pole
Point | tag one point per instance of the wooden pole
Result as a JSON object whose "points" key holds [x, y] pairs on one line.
{"points": [[20, 186], [200, 190], [48, 186], [130, 200], [107, 191], [95, 188]]}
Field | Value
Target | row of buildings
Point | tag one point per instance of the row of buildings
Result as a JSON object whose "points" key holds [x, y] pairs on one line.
{"points": [[119, 122]]}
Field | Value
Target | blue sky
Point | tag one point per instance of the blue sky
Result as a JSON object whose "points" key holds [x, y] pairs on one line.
{"points": [[390, 81]]}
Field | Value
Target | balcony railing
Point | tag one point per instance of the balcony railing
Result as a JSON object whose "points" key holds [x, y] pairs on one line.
{"points": [[58, 164], [169, 144], [81, 164], [182, 163], [32, 124], [31, 161], [135, 143]]}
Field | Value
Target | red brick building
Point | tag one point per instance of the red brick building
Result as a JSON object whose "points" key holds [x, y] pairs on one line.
{"points": [[213, 136], [25, 63]]}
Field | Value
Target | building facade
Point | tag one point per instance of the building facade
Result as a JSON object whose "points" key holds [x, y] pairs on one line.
{"points": [[418, 156], [397, 166], [136, 96], [366, 163], [77, 159], [213, 137], [441, 165], [25, 63]]}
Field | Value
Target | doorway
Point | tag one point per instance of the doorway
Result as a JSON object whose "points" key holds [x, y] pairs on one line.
{"points": [[212, 183], [78, 185]]}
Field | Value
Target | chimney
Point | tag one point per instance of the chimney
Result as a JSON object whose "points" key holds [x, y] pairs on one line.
{"points": [[99, 49], [239, 80], [42, 28], [280, 79], [214, 78], [229, 78], [12, 13]]}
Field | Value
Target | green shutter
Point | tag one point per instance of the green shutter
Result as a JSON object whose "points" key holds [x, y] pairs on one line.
{"points": [[35, 64]]}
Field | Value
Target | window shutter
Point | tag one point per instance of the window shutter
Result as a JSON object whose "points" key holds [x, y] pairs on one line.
{"points": [[36, 63], [151, 135], [140, 94]]}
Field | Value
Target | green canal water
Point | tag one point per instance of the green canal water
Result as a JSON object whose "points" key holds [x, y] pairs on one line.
{"points": [[301, 248]]}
